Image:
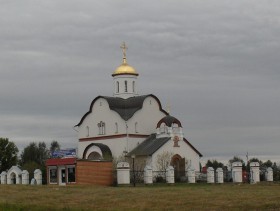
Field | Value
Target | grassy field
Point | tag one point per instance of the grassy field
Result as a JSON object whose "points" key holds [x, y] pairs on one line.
{"points": [[264, 196]]}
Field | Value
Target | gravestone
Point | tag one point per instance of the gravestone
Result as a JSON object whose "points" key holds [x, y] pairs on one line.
{"points": [[33, 182]]}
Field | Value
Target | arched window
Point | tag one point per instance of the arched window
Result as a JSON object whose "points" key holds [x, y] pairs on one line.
{"points": [[133, 86], [163, 128], [118, 87], [116, 124], [125, 86], [101, 128], [175, 128], [94, 156], [87, 131]]}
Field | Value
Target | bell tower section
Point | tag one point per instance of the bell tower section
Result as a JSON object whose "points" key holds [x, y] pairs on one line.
{"points": [[125, 78]]}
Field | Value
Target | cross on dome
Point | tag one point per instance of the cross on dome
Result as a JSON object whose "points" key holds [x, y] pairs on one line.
{"points": [[124, 68], [124, 48]]}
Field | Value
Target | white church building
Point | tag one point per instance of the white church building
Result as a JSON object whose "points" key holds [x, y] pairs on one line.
{"points": [[130, 124]]}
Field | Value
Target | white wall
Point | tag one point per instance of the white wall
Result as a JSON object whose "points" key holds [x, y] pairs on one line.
{"points": [[121, 79], [146, 119], [185, 151], [117, 145]]}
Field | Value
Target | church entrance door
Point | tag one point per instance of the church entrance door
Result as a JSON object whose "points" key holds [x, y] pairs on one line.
{"points": [[179, 166]]}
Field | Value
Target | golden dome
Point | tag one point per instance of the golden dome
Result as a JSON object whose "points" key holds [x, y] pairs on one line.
{"points": [[124, 68]]}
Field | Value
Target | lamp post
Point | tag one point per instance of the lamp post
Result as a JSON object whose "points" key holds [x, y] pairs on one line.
{"points": [[133, 157]]}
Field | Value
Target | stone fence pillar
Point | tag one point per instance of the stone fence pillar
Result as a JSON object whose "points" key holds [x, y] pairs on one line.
{"points": [[220, 175], [4, 177], [237, 172], [254, 172], [123, 173], [191, 174], [210, 175], [38, 176], [148, 175], [269, 174], [25, 177], [170, 175]]}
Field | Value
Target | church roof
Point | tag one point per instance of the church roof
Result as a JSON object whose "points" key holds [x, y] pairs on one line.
{"points": [[124, 107], [169, 120], [124, 68], [152, 144], [149, 146]]}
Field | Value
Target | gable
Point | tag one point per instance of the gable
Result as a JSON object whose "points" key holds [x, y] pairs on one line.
{"points": [[126, 108]]}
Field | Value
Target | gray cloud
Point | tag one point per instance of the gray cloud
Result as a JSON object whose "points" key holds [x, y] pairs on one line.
{"points": [[216, 62]]}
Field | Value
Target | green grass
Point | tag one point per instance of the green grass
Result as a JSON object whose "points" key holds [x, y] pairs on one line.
{"points": [[263, 196]]}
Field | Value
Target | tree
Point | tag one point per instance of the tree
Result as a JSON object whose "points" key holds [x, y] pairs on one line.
{"points": [[55, 146], [8, 154], [34, 157], [237, 159], [255, 160], [267, 164], [276, 172], [163, 160], [214, 164], [37, 153]]}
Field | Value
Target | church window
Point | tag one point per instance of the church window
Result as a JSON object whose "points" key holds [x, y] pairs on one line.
{"points": [[71, 177], [94, 156], [87, 131], [116, 124], [118, 87], [136, 127], [163, 128], [125, 86], [133, 86], [101, 128], [175, 128], [100, 103], [150, 102]]}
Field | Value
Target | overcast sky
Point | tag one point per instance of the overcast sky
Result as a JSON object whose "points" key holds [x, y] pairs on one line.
{"points": [[216, 62]]}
